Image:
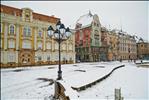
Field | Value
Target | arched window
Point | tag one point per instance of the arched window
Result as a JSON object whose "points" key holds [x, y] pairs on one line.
{"points": [[12, 29], [48, 45], [56, 46], [26, 31], [64, 46]]}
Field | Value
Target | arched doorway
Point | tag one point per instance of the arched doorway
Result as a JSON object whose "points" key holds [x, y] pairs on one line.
{"points": [[26, 57]]}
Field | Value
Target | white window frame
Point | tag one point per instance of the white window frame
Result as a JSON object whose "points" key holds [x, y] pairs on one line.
{"points": [[11, 44], [40, 33], [26, 44], [27, 31], [56, 46], [64, 46], [48, 58], [10, 29], [11, 57], [49, 45], [39, 45]]}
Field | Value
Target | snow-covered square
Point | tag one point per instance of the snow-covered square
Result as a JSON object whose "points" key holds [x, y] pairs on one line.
{"points": [[24, 83]]}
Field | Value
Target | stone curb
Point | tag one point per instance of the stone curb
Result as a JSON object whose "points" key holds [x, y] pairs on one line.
{"points": [[84, 87]]}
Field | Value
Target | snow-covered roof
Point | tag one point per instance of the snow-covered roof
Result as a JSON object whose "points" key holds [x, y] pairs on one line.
{"points": [[85, 19]]}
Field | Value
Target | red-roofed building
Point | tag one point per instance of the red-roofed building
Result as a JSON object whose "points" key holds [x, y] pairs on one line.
{"points": [[24, 39]]}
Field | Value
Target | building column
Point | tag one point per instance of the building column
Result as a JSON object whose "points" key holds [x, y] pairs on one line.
{"points": [[5, 36], [5, 42], [44, 39], [17, 44], [16, 53], [35, 39], [17, 37], [73, 50], [5, 57]]}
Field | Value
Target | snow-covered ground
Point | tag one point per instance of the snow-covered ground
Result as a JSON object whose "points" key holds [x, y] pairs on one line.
{"points": [[132, 80]]}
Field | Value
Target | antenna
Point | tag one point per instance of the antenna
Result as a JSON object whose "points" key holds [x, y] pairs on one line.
{"points": [[90, 14], [109, 27], [121, 23]]}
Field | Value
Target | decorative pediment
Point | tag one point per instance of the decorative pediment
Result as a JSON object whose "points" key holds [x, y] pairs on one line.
{"points": [[27, 14]]}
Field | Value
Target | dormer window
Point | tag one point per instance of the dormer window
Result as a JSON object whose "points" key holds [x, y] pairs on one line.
{"points": [[27, 14]]}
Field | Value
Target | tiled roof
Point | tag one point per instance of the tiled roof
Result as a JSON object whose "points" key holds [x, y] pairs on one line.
{"points": [[37, 16], [11, 10]]}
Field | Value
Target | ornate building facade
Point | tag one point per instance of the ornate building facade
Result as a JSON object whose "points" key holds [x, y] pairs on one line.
{"points": [[143, 50], [88, 38], [127, 47], [96, 43], [104, 49], [24, 39]]}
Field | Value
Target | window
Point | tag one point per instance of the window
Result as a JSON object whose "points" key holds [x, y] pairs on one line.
{"points": [[81, 35], [11, 44], [94, 24], [48, 45], [11, 29], [56, 46], [64, 47], [64, 59], [29, 31], [48, 58], [70, 59], [26, 44], [39, 45], [39, 58], [96, 37], [26, 31], [81, 43], [97, 25], [27, 15], [11, 57], [39, 33]]}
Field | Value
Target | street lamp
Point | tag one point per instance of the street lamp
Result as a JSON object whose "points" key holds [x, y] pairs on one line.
{"points": [[60, 34]]}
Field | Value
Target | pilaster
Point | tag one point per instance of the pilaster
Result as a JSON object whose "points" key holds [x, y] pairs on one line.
{"points": [[6, 36], [17, 37]]}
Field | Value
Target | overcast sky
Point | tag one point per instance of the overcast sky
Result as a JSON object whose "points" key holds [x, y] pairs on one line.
{"points": [[131, 15]]}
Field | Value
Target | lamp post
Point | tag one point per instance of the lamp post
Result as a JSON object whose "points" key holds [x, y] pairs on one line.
{"points": [[60, 34]]}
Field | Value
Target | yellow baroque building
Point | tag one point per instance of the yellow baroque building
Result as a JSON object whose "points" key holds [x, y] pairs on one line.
{"points": [[25, 42]]}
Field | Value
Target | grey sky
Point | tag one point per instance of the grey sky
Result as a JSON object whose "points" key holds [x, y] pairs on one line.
{"points": [[131, 15]]}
